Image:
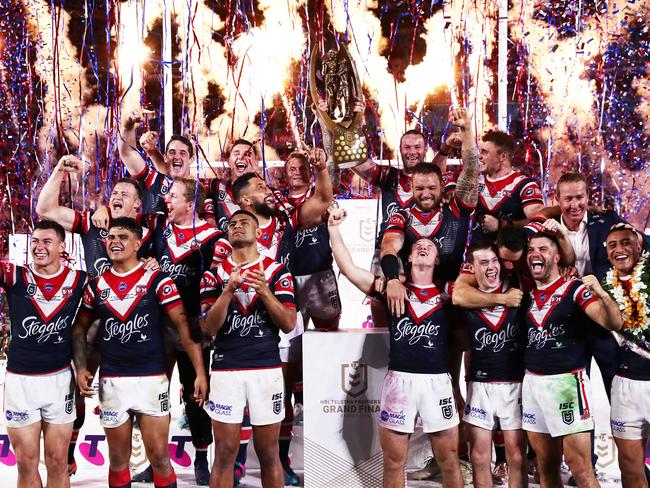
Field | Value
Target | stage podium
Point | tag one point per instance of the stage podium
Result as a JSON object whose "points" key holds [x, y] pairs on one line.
{"points": [[342, 377]]}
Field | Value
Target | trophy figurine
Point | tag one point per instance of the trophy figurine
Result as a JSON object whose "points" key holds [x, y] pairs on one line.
{"points": [[340, 82]]}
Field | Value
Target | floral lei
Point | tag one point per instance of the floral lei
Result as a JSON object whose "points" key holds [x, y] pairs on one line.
{"points": [[635, 304]]}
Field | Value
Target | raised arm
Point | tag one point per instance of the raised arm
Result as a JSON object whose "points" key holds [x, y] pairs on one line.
{"points": [[453, 140], [126, 146], [604, 311], [467, 183], [467, 295], [359, 277], [149, 142], [48, 206], [311, 212]]}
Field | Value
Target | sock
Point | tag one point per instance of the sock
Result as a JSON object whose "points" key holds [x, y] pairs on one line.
{"points": [[168, 481], [286, 432], [244, 437], [201, 453], [463, 451], [297, 392], [499, 447], [76, 427], [119, 479]]}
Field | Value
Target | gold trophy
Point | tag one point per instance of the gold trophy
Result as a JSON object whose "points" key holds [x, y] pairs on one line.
{"points": [[340, 81]]}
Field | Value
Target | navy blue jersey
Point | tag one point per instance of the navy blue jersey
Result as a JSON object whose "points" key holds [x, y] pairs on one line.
{"points": [[505, 199], [248, 338], [396, 194], [418, 338], [448, 226], [276, 241], [184, 253], [631, 365], [497, 342], [41, 310], [557, 327], [94, 243], [155, 186], [312, 252], [131, 308]]}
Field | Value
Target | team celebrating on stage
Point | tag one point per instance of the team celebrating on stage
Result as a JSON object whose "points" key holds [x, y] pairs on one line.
{"points": [[220, 277]]}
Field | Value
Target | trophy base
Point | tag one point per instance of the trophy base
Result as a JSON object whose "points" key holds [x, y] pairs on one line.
{"points": [[350, 148]]}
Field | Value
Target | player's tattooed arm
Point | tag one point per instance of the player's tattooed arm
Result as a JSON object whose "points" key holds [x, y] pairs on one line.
{"points": [[79, 345], [312, 210], [361, 278], [605, 311], [467, 184]]}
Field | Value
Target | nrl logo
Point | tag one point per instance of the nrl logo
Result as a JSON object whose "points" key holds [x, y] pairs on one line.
{"points": [[354, 378], [31, 289], [104, 294], [567, 417], [367, 229], [103, 233]]}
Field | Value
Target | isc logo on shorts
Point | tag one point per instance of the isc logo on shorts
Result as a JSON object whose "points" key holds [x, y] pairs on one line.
{"points": [[68, 403], [446, 407], [163, 398], [277, 403]]}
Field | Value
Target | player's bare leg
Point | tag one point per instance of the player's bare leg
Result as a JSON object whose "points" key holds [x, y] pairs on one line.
{"points": [[394, 446], [265, 441], [226, 446], [26, 444], [56, 438]]}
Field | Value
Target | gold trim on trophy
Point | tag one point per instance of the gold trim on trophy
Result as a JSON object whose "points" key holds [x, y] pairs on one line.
{"points": [[342, 90]]}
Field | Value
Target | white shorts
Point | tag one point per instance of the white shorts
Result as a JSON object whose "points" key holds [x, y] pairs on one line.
{"points": [[630, 414], [120, 396], [32, 398], [493, 405], [405, 396], [289, 351], [558, 404], [232, 390]]}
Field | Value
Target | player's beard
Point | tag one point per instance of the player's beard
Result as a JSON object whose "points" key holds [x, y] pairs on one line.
{"points": [[263, 209]]}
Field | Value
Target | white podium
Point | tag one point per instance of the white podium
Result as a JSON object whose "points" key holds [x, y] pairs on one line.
{"points": [[343, 375]]}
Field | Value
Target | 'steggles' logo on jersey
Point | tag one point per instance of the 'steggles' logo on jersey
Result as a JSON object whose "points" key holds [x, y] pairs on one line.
{"points": [[123, 331], [487, 338], [33, 327], [101, 265], [414, 332], [243, 325]]}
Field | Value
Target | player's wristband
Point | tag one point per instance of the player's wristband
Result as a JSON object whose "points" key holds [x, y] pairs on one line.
{"points": [[390, 267]]}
